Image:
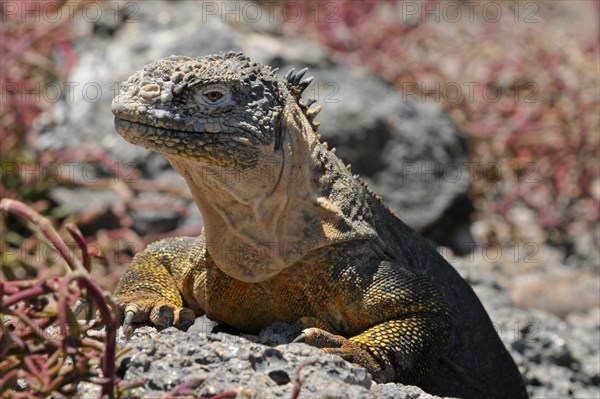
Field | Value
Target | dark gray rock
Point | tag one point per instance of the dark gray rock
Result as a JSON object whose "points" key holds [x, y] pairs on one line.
{"points": [[399, 391], [157, 214], [83, 200], [557, 360], [219, 362]]}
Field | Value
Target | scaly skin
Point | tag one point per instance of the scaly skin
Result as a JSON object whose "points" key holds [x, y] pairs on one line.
{"points": [[291, 235]]}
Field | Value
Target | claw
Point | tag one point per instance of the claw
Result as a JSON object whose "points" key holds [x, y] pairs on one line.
{"points": [[321, 339], [128, 318], [127, 328], [300, 338], [185, 325], [185, 319], [166, 315]]}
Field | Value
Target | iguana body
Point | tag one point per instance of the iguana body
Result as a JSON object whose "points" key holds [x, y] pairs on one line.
{"points": [[291, 235]]}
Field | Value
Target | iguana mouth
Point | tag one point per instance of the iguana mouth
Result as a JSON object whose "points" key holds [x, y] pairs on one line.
{"points": [[125, 126], [216, 148], [145, 134]]}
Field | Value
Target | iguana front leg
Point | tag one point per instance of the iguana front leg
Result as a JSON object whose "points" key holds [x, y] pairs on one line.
{"points": [[400, 349], [407, 343], [160, 282], [338, 345]]}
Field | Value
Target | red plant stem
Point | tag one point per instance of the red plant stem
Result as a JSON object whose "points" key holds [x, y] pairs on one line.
{"points": [[223, 395], [78, 237], [45, 227], [55, 362], [32, 292], [83, 278], [12, 374], [106, 314], [33, 368], [186, 388], [298, 382], [25, 320], [61, 312]]}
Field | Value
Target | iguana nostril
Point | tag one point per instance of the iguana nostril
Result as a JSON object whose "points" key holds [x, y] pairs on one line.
{"points": [[150, 91]]}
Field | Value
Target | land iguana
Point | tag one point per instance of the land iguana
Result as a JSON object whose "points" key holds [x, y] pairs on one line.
{"points": [[292, 235]]}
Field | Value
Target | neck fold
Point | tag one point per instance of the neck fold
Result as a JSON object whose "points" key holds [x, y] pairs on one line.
{"points": [[260, 221]]}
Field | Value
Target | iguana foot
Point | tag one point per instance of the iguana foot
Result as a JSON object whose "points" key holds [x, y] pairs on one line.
{"points": [[338, 345], [160, 313]]}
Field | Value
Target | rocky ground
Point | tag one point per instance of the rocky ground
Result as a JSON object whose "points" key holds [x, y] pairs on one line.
{"points": [[558, 356], [557, 359]]}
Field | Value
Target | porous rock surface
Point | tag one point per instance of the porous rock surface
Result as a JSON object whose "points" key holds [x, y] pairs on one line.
{"points": [[217, 362]]}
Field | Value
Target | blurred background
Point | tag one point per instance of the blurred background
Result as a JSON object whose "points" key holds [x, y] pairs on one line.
{"points": [[478, 122]]}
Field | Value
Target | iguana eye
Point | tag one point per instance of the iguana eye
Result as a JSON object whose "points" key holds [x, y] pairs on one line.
{"points": [[213, 96]]}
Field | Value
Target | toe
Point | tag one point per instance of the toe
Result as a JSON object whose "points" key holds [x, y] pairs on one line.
{"points": [[320, 338], [162, 316], [185, 318]]}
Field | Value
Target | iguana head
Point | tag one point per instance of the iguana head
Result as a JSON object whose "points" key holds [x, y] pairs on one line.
{"points": [[219, 109], [269, 191]]}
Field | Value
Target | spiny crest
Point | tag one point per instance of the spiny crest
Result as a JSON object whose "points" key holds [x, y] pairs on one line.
{"points": [[297, 85], [221, 67], [236, 65]]}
